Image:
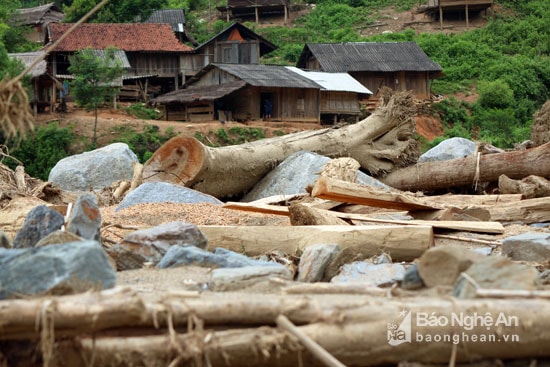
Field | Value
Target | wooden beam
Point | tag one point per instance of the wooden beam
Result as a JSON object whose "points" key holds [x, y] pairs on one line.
{"points": [[347, 192]]}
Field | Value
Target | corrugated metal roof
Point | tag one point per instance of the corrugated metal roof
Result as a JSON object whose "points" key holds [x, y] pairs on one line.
{"points": [[196, 94], [369, 56], [39, 14], [151, 37], [268, 76], [338, 82], [174, 17], [28, 58]]}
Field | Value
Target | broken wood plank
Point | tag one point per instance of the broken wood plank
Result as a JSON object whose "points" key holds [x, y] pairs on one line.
{"points": [[469, 226], [526, 211], [465, 200], [258, 208], [327, 188], [400, 242]]}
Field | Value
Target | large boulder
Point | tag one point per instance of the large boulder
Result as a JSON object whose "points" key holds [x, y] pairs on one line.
{"points": [[94, 170], [164, 192], [448, 149], [55, 269], [295, 174]]}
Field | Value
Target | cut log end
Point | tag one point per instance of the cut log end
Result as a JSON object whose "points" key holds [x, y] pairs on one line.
{"points": [[178, 161]]}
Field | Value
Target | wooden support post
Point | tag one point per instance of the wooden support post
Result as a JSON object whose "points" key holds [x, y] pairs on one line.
{"points": [[467, 17], [286, 14], [257, 15], [440, 16], [227, 14]]}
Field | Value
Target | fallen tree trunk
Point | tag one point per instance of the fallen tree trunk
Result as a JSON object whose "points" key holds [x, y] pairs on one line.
{"points": [[466, 171], [402, 243], [380, 143], [357, 333]]}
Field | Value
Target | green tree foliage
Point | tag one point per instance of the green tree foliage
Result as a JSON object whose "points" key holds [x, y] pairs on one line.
{"points": [[94, 81], [42, 149], [115, 11]]}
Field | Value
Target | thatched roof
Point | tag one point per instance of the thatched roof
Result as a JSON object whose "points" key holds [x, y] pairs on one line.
{"points": [[197, 94], [39, 14], [368, 56]]}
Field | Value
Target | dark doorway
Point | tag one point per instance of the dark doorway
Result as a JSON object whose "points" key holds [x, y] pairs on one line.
{"points": [[266, 106]]}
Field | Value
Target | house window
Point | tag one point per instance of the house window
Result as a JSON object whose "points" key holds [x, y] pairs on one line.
{"points": [[226, 54]]}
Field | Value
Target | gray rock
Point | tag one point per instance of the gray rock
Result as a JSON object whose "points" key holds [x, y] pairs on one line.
{"points": [[4, 240], [57, 238], [532, 246], [151, 244], [233, 279], [452, 148], [221, 258], [495, 272], [314, 261], [164, 192], [411, 278], [40, 222], [85, 218], [295, 174], [442, 265], [94, 170], [376, 275], [56, 269]]}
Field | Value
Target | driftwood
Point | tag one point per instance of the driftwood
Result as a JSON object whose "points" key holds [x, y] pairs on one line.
{"points": [[402, 243], [471, 170], [380, 143], [231, 330]]}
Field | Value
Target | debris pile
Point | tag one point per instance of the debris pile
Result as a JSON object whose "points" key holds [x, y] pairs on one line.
{"points": [[340, 269]]}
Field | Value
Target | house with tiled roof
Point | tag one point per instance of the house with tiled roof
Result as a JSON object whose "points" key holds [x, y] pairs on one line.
{"points": [[153, 52], [397, 65]]}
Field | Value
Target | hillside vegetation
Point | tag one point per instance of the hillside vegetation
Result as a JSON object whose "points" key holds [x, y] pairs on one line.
{"points": [[505, 64]]}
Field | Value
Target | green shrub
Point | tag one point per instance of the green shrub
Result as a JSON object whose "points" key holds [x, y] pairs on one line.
{"points": [[42, 149], [143, 144], [496, 94], [141, 111]]}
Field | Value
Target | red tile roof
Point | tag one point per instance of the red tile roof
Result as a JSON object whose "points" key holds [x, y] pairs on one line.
{"points": [[125, 36]]}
